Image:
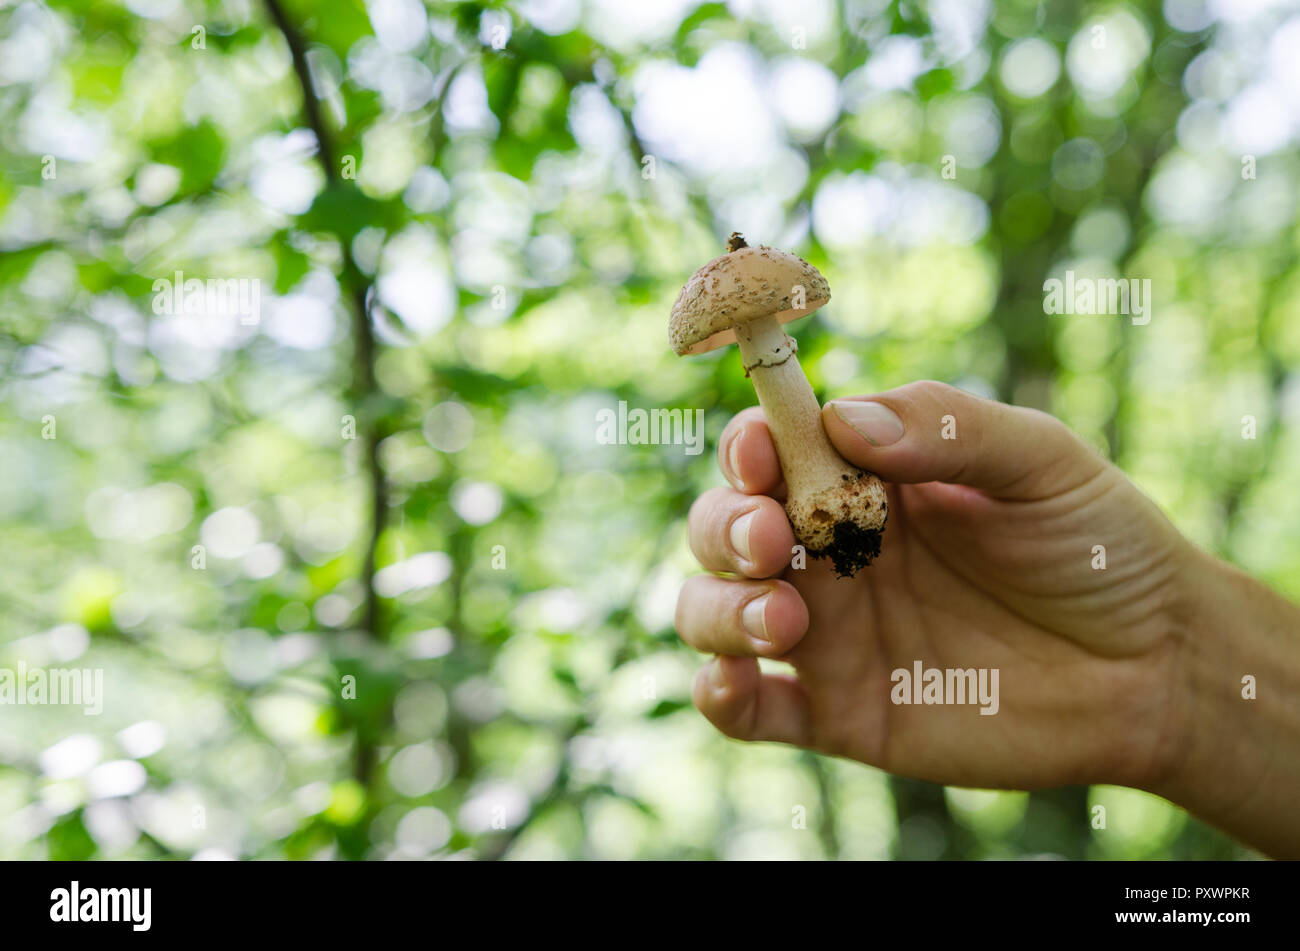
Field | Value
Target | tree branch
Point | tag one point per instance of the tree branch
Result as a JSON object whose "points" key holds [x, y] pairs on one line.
{"points": [[310, 104], [358, 289], [363, 388]]}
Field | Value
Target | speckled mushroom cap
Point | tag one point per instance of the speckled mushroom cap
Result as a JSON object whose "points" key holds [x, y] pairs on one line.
{"points": [[738, 287]]}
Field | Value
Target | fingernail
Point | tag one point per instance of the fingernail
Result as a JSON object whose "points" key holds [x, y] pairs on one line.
{"points": [[740, 534], [754, 617], [875, 422], [733, 461]]}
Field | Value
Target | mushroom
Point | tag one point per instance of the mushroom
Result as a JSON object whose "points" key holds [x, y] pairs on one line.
{"points": [[837, 510]]}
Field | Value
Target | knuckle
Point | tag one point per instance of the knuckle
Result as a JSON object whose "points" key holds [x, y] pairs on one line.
{"points": [[705, 503], [938, 392], [686, 598], [679, 612], [706, 512], [719, 712]]}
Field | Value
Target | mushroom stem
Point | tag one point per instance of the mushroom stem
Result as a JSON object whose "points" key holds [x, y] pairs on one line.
{"points": [[836, 509], [793, 414]]}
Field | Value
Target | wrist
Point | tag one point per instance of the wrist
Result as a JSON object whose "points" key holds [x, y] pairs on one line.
{"points": [[1234, 744]]}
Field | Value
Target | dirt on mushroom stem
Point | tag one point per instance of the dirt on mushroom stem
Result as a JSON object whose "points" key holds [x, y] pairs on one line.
{"points": [[853, 549]]}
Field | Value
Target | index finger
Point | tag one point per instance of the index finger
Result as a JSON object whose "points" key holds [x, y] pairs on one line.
{"points": [[747, 455]]}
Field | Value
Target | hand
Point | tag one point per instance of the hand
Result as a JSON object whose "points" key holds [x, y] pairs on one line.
{"points": [[989, 560]]}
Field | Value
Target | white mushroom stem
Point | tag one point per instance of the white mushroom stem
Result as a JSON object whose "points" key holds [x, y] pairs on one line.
{"points": [[793, 414], [823, 490]]}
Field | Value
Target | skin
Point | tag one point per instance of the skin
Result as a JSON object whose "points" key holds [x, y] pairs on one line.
{"points": [[1128, 675]]}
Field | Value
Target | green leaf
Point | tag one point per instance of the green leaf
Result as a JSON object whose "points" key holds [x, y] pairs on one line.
{"points": [[197, 151], [344, 210], [501, 76], [934, 83], [291, 265], [68, 840], [666, 708], [338, 24]]}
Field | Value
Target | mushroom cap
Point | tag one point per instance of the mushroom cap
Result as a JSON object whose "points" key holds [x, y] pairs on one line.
{"points": [[740, 286]]}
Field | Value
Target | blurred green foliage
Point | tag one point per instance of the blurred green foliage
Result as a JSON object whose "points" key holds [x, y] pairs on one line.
{"points": [[361, 579]]}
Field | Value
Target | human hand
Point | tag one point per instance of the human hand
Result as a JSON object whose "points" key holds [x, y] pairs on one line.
{"points": [[988, 561]]}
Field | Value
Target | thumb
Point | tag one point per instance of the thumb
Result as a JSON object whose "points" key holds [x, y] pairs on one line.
{"points": [[932, 432]]}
